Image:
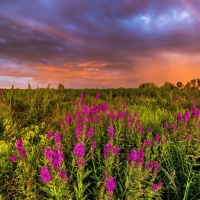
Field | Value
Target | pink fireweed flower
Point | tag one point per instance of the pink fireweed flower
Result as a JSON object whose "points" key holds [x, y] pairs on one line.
{"points": [[62, 174], [57, 137], [174, 127], [189, 137], [156, 167], [45, 174], [22, 153], [111, 131], [135, 114], [116, 151], [79, 150], [97, 95], [90, 132], [13, 158], [149, 129], [165, 125], [19, 144], [149, 165], [68, 119], [80, 162], [156, 187], [110, 184], [104, 107], [49, 135], [148, 143], [178, 117], [157, 138], [94, 143]]}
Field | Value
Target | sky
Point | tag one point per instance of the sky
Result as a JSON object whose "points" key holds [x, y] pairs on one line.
{"points": [[98, 43]]}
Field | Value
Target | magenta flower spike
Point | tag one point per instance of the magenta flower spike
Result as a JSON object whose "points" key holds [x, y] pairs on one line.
{"points": [[57, 137], [111, 131], [79, 150], [45, 174], [13, 158], [110, 185]]}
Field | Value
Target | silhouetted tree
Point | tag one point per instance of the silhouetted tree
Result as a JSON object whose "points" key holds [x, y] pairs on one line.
{"points": [[179, 85], [61, 86], [193, 82], [188, 86]]}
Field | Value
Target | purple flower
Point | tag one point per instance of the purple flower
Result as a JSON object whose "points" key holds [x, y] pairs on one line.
{"points": [[178, 117], [165, 125], [156, 187], [157, 138], [79, 150], [149, 165], [45, 174], [174, 127], [80, 162], [94, 143], [90, 132], [97, 95], [62, 174], [22, 153], [19, 144], [149, 129], [56, 162], [135, 114], [189, 137], [148, 143], [49, 153], [110, 184], [116, 151], [49, 135], [57, 137], [133, 155], [13, 158], [111, 131]]}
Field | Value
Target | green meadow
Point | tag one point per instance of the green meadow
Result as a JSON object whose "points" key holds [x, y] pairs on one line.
{"points": [[100, 144]]}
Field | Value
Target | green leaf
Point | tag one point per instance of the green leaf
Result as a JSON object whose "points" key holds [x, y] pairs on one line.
{"points": [[48, 191], [63, 193], [86, 174]]}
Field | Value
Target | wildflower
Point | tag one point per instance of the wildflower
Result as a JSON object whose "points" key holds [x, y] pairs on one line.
{"points": [[94, 143], [79, 149], [148, 143], [165, 125], [156, 187], [110, 185], [13, 158], [19, 145], [111, 131], [22, 153], [49, 135], [135, 114], [90, 132], [178, 117], [149, 165], [97, 95], [45, 174], [62, 174], [189, 137], [157, 138], [174, 127], [149, 129], [116, 151], [80, 162], [133, 155], [57, 137], [156, 167]]}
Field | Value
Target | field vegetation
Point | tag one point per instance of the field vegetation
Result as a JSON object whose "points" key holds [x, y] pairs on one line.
{"points": [[141, 143]]}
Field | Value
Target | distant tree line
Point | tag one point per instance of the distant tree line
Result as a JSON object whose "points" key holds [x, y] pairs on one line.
{"points": [[194, 84]]}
